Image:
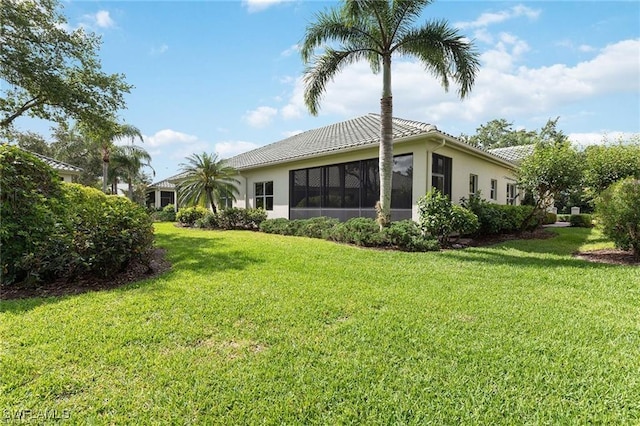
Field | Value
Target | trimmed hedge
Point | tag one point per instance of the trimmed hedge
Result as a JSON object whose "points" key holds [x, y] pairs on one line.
{"points": [[232, 218], [581, 220], [188, 215], [403, 235], [166, 214], [550, 218], [495, 219], [441, 219]]}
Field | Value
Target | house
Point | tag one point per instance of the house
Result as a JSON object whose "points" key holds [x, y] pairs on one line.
{"points": [[67, 172], [160, 194], [333, 171]]}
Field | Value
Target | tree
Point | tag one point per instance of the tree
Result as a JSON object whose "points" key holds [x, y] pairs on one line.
{"points": [[499, 133], [127, 162], [105, 134], [32, 142], [617, 208], [375, 30], [206, 178], [553, 168], [607, 164], [73, 147], [52, 73]]}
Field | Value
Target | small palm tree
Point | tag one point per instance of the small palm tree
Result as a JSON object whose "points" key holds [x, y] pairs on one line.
{"points": [[126, 162], [375, 30], [206, 178]]}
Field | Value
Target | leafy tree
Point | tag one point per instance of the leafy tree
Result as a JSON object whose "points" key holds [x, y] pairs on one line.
{"points": [[375, 30], [127, 162], [32, 142], [206, 179], [499, 133], [52, 73], [607, 164], [73, 147], [619, 213], [553, 168]]}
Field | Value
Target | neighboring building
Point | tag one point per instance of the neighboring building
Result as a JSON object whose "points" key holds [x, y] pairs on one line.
{"points": [[333, 171], [67, 172], [163, 193]]}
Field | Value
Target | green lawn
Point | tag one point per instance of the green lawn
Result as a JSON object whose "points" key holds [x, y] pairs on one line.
{"points": [[256, 328]]}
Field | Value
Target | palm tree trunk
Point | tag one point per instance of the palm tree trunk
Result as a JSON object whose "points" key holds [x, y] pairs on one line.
{"points": [[212, 205], [105, 168], [386, 145]]}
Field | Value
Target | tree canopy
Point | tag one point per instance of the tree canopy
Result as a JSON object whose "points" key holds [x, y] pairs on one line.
{"points": [[499, 133], [374, 31], [51, 72]]}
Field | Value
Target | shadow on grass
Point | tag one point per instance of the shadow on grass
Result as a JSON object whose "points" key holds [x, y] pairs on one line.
{"points": [[204, 254], [200, 255], [558, 250]]}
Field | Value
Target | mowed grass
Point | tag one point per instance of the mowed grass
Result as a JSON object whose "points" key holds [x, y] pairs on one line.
{"points": [[250, 328]]}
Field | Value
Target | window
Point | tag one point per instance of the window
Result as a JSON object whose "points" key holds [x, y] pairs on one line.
{"points": [[264, 195], [225, 200], [353, 185], [473, 185], [494, 189], [166, 198], [511, 193], [441, 174]]}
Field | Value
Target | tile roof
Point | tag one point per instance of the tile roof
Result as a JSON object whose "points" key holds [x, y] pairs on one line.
{"points": [[515, 154], [58, 165], [357, 132]]}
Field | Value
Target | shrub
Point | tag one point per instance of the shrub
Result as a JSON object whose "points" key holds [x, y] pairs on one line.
{"points": [[167, 214], [550, 218], [108, 231], [581, 220], [208, 221], [494, 219], [360, 231], [275, 226], [29, 209], [236, 218], [317, 227], [439, 218], [564, 217], [619, 214], [188, 216], [406, 235]]}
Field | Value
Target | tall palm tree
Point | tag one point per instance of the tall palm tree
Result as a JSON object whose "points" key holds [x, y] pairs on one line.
{"points": [[375, 30], [126, 162], [206, 178]]}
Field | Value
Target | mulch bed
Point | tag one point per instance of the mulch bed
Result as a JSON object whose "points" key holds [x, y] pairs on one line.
{"points": [[609, 256], [134, 272]]}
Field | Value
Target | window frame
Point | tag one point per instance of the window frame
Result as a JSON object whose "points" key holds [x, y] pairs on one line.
{"points": [[493, 194], [512, 193], [473, 184], [262, 197]]}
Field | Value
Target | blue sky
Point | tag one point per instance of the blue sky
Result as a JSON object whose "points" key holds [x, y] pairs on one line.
{"points": [[225, 76]]}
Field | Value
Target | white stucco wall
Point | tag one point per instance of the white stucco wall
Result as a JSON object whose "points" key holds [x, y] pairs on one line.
{"points": [[463, 164]]}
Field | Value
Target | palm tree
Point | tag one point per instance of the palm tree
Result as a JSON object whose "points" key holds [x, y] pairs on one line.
{"points": [[375, 30], [206, 178], [126, 162]]}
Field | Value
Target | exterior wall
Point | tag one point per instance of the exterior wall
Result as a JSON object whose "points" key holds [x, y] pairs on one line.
{"points": [[66, 177], [422, 149], [465, 164]]}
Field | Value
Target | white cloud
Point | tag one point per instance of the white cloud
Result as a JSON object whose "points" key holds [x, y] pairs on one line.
{"points": [[228, 149], [159, 50], [290, 133], [491, 18], [169, 137], [502, 88], [595, 138], [261, 116], [100, 19], [260, 5], [291, 50]]}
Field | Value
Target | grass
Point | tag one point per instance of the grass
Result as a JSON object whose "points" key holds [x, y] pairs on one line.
{"points": [[250, 328]]}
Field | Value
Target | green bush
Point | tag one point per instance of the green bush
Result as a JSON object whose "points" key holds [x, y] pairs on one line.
{"points": [[30, 209], [564, 217], [188, 215], [360, 231], [406, 235], [208, 221], [618, 209], [317, 227], [550, 218], [108, 231], [166, 214], [440, 219], [275, 226], [494, 219], [236, 218], [581, 220]]}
